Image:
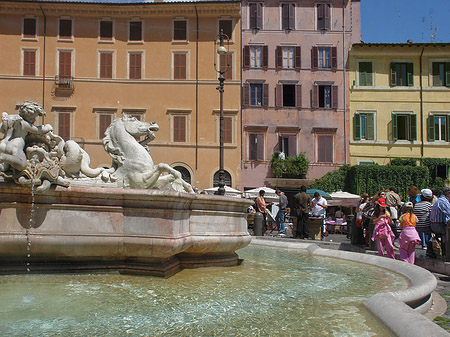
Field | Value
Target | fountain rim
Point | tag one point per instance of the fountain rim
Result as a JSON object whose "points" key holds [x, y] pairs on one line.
{"points": [[401, 311]]}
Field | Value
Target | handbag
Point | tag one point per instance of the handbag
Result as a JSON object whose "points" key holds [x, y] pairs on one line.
{"points": [[436, 246]]}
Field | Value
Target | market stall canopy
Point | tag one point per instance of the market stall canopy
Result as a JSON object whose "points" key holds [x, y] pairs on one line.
{"points": [[322, 193], [341, 198], [268, 196], [229, 191]]}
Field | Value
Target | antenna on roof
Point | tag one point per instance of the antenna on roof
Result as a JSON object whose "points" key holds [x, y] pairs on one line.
{"points": [[431, 27], [398, 12], [423, 28]]}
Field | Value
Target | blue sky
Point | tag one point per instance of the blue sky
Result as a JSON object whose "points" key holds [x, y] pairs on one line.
{"points": [[394, 21]]}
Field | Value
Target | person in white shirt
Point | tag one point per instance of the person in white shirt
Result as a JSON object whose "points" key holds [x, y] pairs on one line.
{"points": [[318, 207]]}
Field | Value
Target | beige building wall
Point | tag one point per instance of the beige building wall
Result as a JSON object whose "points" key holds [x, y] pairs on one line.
{"points": [[157, 96], [423, 99]]}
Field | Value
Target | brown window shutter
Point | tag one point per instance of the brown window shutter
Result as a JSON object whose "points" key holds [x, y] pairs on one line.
{"points": [[298, 58], [291, 16], [314, 58], [298, 96], [179, 129], [315, 97], [265, 95], [226, 65], [29, 62], [246, 95], [320, 16], [326, 16], [333, 58], [265, 60], [179, 67], [135, 66], [105, 121], [279, 95], [246, 57], [259, 16], [227, 130], [64, 125], [279, 57], [105, 65], [334, 96], [65, 69], [260, 147]]}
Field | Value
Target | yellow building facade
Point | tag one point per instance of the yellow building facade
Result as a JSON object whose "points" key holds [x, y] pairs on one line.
{"points": [[89, 63], [399, 101]]}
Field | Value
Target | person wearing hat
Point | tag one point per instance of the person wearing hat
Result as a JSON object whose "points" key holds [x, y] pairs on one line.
{"points": [[440, 215], [422, 210], [382, 232], [408, 237]]}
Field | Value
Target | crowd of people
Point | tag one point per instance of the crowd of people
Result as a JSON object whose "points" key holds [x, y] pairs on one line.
{"points": [[420, 220]]}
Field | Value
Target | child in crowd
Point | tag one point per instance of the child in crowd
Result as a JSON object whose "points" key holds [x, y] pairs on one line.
{"points": [[383, 232], [409, 236]]}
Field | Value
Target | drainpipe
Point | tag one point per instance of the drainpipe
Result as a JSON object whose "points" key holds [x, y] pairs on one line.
{"points": [[241, 105], [43, 66], [196, 91], [344, 82], [421, 106]]}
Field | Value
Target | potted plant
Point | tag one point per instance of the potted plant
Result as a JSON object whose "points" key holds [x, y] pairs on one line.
{"points": [[289, 167]]}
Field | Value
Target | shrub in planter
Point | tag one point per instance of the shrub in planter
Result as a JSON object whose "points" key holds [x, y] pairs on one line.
{"points": [[289, 167]]}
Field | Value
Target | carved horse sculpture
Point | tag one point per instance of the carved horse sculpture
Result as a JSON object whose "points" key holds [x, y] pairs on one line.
{"points": [[132, 163]]}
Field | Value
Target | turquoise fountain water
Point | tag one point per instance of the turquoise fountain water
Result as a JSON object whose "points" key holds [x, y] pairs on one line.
{"points": [[276, 292]]}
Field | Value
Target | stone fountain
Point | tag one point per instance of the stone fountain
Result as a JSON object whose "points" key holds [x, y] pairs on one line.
{"points": [[58, 214]]}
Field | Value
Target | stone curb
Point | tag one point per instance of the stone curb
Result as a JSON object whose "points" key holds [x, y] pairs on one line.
{"points": [[400, 310]]}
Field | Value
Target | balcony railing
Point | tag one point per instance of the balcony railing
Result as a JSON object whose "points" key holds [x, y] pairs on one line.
{"points": [[64, 82]]}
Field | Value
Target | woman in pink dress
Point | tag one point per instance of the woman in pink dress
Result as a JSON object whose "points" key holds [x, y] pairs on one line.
{"points": [[409, 236], [382, 231]]}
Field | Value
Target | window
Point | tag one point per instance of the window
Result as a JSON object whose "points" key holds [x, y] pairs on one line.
{"points": [[438, 128], [255, 57], [179, 129], [135, 62], [256, 146], [180, 30], [226, 178], [288, 57], [106, 59], [65, 64], [402, 74], [29, 28], [288, 95], [64, 125], [135, 31], [325, 148], [365, 74], [106, 30], [288, 145], [404, 126], [65, 28], [185, 174], [29, 62], [324, 58], [104, 120], [179, 66], [226, 26], [364, 126], [228, 130], [323, 16], [325, 96], [256, 94], [287, 16], [255, 15], [226, 65], [441, 74]]}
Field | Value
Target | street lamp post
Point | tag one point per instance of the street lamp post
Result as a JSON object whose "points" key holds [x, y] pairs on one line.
{"points": [[221, 70]]}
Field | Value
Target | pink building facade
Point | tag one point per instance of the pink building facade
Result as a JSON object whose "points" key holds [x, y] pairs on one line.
{"points": [[294, 83]]}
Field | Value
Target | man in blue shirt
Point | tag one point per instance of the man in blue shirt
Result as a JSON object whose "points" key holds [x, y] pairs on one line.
{"points": [[440, 215], [281, 213]]}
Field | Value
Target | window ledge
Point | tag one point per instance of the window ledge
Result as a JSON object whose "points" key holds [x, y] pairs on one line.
{"points": [[135, 42], [106, 41], [64, 40], [30, 39], [180, 41]]}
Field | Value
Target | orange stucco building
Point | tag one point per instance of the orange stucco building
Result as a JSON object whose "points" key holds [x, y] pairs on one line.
{"points": [[89, 63]]}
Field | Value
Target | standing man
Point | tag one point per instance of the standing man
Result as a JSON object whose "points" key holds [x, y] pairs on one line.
{"points": [[302, 206], [440, 215], [318, 206], [394, 202], [261, 206], [281, 213]]}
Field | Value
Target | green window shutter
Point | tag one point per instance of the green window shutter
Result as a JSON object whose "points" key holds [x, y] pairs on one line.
{"points": [[370, 127], [410, 74], [362, 74], [369, 74], [357, 127], [393, 75], [435, 74], [412, 127], [447, 74], [394, 127], [447, 136], [431, 128]]}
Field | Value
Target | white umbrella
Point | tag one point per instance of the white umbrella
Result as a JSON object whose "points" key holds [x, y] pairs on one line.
{"points": [[341, 198], [229, 191], [269, 195]]}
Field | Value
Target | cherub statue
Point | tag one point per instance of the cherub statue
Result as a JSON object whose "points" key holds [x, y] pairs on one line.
{"points": [[15, 128]]}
